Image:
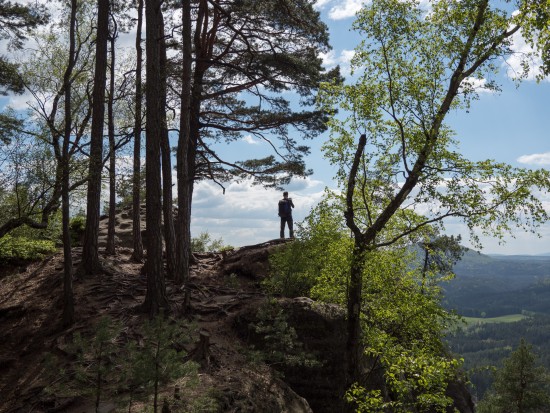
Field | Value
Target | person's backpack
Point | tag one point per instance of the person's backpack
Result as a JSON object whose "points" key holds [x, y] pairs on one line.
{"points": [[284, 208]]}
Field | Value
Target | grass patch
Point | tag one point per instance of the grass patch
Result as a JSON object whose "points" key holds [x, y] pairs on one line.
{"points": [[511, 318]]}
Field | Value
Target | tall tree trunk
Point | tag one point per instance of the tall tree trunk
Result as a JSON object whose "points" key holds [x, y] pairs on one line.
{"points": [[68, 297], [90, 256], [137, 254], [167, 199], [184, 204], [187, 150], [354, 344], [155, 298], [110, 247]]}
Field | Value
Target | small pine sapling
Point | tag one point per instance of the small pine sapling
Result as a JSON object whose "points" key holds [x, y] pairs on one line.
{"points": [[156, 359]]}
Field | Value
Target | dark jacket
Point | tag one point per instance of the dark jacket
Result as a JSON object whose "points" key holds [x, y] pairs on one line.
{"points": [[285, 207]]}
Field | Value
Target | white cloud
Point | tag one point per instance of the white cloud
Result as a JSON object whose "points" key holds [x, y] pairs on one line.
{"points": [[247, 214], [331, 59], [479, 85], [346, 55], [20, 102], [319, 4], [250, 140], [535, 159], [522, 51], [345, 9]]}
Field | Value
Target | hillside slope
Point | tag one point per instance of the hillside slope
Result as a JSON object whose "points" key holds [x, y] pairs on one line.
{"points": [[226, 305]]}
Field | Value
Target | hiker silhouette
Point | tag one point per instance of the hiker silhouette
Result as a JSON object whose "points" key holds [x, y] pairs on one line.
{"points": [[285, 213]]}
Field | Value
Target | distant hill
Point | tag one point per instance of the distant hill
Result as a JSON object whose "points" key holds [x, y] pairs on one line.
{"points": [[499, 285], [475, 264], [542, 257]]}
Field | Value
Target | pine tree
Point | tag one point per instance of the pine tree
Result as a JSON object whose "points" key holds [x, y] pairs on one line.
{"points": [[520, 386], [90, 257]]}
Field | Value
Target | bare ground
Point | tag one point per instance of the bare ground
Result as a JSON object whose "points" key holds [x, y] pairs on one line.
{"points": [[30, 313]]}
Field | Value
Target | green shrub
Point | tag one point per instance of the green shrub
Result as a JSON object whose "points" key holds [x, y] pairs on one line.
{"points": [[76, 227], [279, 341], [17, 249], [290, 271], [205, 243]]}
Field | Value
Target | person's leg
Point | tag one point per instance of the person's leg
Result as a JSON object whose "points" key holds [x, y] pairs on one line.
{"points": [[282, 227], [290, 227]]}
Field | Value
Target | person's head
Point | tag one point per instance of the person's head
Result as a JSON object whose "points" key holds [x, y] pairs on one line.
{"points": [[285, 194]]}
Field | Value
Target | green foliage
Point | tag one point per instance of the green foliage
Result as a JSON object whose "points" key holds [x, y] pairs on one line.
{"points": [[417, 63], [105, 365], [16, 20], [77, 225], [317, 263], [416, 379], [536, 30], [205, 243], [520, 386], [156, 360], [279, 342], [9, 124], [403, 320], [400, 102], [94, 372], [403, 328], [16, 249], [485, 345], [124, 188], [289, 271]]}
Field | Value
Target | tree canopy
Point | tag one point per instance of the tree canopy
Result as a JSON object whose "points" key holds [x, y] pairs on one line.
{"points": [[404, 175]]}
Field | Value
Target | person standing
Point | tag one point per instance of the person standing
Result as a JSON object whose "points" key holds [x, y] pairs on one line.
{"points": [[285, 213]]}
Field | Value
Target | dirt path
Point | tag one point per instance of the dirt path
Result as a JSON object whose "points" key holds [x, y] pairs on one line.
{"points": [[30, 312]]}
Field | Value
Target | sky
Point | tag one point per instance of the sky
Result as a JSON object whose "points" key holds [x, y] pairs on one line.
{"points": [[512, 126]]}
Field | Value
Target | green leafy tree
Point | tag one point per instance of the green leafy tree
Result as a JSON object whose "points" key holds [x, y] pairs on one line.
{"points": [[414, 67], [403, 324], [438, 255], [26, 186], [47, 76], [16, 22], [537, 33], [205, 243], [520, 386]]}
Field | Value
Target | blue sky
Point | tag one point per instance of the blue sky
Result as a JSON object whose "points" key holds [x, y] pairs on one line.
{"points": [[511, 127]]}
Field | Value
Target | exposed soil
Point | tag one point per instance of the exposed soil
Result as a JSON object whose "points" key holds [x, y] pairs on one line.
{"points": [[225, 299], [30, 313]]}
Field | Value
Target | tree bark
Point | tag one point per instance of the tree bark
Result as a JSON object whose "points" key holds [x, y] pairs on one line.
{"points": [[155, 298], [110, 247], [90, 256], [354, 345], [137, 254], [68, 297], [184, 202], [167, 199], [187, 150]]}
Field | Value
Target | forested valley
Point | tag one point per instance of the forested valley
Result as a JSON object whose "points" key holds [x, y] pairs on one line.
{"points": [[504, 300], [108, 302]]}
